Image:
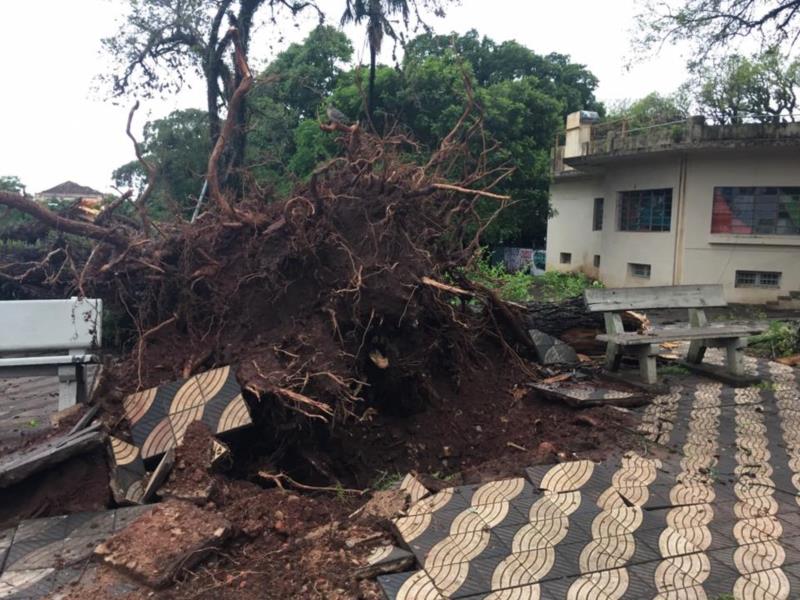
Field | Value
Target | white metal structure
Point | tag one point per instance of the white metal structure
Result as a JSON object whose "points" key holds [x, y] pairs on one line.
{"points": [[51, 337]]}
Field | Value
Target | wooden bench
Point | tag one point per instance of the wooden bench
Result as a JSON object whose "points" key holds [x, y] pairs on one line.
{"points": [[51, 337], [701, 335]]}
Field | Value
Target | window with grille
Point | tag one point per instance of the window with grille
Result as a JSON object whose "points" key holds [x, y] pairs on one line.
{"points": [[597, 215], [756, 210], [645, 210], [762, 279], [639, 270], [566, 258], [597, 260]]}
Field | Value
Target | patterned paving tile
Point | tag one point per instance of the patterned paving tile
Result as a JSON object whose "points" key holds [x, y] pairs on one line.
{"points": [[159, 416], [721, 516], [128, 477], [41, 555]]}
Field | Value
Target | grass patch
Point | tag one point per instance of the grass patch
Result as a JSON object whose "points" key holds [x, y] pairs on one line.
{"points": [[386, 480], [781, 339], [554, 285], [674, 370], [515, 287]]}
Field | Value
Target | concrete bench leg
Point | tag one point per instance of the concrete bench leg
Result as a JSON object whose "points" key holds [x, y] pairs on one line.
{"points": [[613, 357], [71, 386], [735, 355], [647, 363], [697, 351]]}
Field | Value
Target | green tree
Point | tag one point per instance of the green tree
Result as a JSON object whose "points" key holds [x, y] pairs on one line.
{"points": [[570, 83], [521, 96], [161, 44], [653, 109], [179, 145], [736, 88], [377, 14], [10, 219], [289, 93], [11, 183]]}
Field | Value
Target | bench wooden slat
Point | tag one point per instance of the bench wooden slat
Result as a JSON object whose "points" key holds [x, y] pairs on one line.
{"points": [[641, 298], [682, 333]]}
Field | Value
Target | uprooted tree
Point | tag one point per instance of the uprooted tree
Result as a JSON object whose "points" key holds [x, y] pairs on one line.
{"points": [[346, 296]]}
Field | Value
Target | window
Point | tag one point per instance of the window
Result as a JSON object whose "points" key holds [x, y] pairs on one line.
{"points": [[597, 215], [639, 270], [597, 261], [756, 210], [566, 258], [645, 210], [762, 279]]}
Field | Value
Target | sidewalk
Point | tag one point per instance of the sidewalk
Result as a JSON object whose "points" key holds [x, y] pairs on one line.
{"points": [[708, 508]]}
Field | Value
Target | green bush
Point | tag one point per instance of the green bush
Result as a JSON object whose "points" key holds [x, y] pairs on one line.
{"points": [[515, 287], [781, 339], [554, 285]]}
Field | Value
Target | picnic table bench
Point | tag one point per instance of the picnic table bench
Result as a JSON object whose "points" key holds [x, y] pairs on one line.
{"points": [[644, 345], [51, 337]]}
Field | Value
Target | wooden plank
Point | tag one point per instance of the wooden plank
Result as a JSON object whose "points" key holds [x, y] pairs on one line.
{"points": [[682, 333], [677, 296]]}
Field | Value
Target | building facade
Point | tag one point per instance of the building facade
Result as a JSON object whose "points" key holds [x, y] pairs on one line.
{"points": [[682, 203]]}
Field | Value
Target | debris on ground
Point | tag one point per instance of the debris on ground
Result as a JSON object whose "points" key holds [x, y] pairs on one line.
{"points": [[384, 560], [18, 465], [385, 505], [791, 361], [128, 474], [551, 350], [317, 365], [173, 537], [582, 394], [191, 477], [43, 555]]}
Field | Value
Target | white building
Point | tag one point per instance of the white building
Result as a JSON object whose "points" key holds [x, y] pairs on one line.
{"points": [[680, 203]]}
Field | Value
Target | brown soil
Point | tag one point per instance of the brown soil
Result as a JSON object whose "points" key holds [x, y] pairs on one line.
{"points": [[76, 485], [484, 422], [191, 478]]}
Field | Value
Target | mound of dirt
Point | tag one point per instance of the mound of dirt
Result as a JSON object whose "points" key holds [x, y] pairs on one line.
{"points": [[344, 302]]}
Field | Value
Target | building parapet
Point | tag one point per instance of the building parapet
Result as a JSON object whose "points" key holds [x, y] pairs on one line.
{"points": [[587, 144]]}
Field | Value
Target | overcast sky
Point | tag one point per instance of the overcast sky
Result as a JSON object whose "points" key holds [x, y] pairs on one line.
{"points": [[54, 127]]}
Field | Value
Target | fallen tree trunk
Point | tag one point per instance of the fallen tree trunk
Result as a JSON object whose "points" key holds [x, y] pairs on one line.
{"points": [[556, 318], [59, 223]]}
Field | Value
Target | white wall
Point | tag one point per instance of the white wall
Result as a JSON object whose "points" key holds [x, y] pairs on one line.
{"points": [[715, 258], [619, 248], [693, 255], [570, 229]]}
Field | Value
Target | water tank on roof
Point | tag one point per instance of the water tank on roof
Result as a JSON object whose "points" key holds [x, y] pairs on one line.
{"points": [[589, 116]]}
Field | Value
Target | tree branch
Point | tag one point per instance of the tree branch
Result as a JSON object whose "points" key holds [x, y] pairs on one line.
{"points": [[59, 223], [234, 106]]}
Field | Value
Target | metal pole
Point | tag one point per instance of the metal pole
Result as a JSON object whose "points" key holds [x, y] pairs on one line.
{"points": [[200, 201]]}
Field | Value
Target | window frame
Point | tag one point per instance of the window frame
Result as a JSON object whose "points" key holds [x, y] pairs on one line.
{"points": [[562, 256], [597, 214], [757, 282], [736, 203], [646, 201], [633, 267]]}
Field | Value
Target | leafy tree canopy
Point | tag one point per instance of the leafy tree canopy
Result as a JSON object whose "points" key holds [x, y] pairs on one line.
{"points": [[178, 144], [521, 96], [11, 183], [653, 109], [735, 89]]}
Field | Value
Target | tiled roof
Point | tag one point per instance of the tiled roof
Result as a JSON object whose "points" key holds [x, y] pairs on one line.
{"points": [[71, 188]]}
